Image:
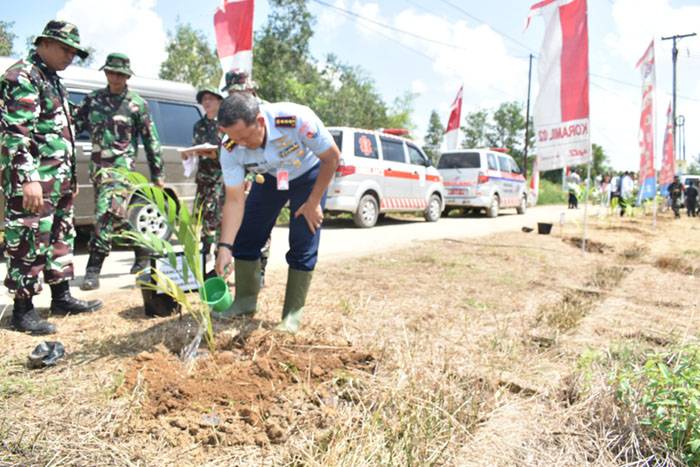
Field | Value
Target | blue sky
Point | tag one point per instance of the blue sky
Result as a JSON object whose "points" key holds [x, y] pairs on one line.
{"points": [[489, 56]]}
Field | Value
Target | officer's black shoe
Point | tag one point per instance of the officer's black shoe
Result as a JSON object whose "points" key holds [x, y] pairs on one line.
{"points": [[141, 260], [92, 272], [63, 303], [26, 319]]}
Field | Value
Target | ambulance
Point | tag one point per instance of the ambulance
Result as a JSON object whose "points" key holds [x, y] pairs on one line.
{"points": [[487, 179], [381, 172]]}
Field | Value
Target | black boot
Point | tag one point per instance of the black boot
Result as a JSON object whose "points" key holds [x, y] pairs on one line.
{"points": [[92, 271], [26, 319], [63, 303], [142, 260]]}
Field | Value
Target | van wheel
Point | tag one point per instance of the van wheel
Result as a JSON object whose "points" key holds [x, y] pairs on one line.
{"points": [[492, 211], [522, 208], [367, 212], [145, 218], [432, 212]]}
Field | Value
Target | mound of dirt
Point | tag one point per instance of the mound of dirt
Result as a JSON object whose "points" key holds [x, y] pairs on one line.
{"points": [[250, 391], [591, 245]]}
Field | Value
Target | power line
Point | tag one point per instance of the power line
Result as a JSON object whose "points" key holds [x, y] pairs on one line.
{"points": [[388, 26], [510, 38], [356, 16]]}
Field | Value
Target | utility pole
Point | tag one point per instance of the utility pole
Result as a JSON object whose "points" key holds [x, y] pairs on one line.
{"points": [[527, 117], [674, 55]]}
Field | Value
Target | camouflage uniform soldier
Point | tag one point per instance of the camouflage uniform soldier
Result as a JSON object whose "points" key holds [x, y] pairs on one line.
{"points": [[38, 177], [210, 191], [115, 117], [237, 80]]}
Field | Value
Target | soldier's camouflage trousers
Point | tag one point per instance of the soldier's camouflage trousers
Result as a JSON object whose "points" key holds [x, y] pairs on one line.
{"points": [[38, 242], [210, 199], [110, 215]]}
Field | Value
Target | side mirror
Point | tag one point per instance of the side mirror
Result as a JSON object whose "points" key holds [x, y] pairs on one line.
{"points": [[427, 163]]}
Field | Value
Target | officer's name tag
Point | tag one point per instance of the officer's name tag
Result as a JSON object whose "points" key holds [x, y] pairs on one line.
{"points": [[282, 180]]}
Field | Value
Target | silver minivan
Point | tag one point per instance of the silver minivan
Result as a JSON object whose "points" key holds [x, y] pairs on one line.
{"points": [[174, 110], [487, 179]]}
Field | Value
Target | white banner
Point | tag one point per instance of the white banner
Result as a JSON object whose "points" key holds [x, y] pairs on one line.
{"points": [[561, 111]]}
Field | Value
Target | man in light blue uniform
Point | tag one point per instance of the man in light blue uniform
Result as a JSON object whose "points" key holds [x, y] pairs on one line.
{"points": [[294, 158]]}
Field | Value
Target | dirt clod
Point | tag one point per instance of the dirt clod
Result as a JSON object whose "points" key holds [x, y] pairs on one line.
{"points": [[254, 385]]}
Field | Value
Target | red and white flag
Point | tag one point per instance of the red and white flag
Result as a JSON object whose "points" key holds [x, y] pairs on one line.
{"points": [[452, 131], [233, 23], [668, 159], [647, 174], [535, 182], [561, 111]]}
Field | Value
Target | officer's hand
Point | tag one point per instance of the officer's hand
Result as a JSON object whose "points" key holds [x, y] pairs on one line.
{"points": [[224, 260], [160, 183], [313, 215], [33, 196]]}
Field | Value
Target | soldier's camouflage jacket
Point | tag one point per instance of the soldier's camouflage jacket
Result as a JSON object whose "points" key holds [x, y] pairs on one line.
{"points": [[207, 131], [115, 122], [36, 133]]}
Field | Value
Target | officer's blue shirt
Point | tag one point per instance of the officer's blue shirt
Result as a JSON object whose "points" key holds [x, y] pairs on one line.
{"points": [[295, 135]]}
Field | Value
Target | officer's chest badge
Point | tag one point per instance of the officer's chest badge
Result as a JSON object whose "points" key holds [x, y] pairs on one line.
{"points": [[288, 150], [286, 122]]}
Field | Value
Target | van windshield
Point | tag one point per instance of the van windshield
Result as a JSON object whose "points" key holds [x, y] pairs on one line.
{"points": [[460, 160]]}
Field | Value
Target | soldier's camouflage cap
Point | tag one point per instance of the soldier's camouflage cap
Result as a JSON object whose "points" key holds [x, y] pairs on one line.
{"points": [[239, 80], [118, 63], [210, 90], [65, 32]]}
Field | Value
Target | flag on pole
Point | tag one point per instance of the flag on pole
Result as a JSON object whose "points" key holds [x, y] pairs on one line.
{"points": [[452, 131], [668, 160], [561, 111], [233, 24], [647, 174]]}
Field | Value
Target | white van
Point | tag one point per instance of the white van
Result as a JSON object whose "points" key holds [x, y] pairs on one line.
{"points": [[174, 110], [380, 172], [486, 179]]}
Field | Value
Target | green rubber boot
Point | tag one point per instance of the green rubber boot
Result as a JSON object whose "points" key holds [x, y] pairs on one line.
{"points": [[298, 283], [247, 276]]}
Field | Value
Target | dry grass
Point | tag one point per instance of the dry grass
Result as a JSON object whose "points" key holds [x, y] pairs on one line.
{"points": [[488, 352]]}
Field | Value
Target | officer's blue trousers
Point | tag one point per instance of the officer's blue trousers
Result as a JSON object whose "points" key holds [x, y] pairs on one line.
{"points": [[262, 207]]}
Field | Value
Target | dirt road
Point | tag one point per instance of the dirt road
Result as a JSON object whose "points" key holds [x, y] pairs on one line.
{"points": [[340, 239]]}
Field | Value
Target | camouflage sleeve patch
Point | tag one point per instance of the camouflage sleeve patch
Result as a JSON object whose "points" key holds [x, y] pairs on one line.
{"points": [[19, 118], [286, 122]]}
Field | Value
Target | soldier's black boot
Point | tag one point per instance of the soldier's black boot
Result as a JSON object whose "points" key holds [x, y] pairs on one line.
{"points": [[26, 319], [142, 260], [63, 303], [92, 271]]}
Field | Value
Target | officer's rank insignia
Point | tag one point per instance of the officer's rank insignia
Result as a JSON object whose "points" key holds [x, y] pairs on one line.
{"points": [[288, 150], [286, 122], [297, 163], [229, 144]]}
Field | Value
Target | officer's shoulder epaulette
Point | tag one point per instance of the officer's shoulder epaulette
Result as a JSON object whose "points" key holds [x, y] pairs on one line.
{"points": [[229, 144], [286, 122]]}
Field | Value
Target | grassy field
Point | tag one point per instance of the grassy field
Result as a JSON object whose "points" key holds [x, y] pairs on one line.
{"points": [[518, 349]]}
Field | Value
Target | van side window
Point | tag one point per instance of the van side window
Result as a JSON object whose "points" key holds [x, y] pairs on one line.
{"points": [[366, 145], [393, 150], [504, 163], [174, 122], [492, 162], [514, 166], [338, 138], [415, 156], [77, 98]]}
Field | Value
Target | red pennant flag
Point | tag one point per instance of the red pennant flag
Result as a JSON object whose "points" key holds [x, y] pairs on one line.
{"points": [[233, 23], [452, 131]]}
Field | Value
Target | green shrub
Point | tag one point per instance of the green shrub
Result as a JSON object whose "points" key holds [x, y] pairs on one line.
{"points": [[665, 394], [551, 193]]}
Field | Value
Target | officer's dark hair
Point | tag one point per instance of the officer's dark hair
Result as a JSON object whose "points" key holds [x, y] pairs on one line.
{"points": [[238, 106]]}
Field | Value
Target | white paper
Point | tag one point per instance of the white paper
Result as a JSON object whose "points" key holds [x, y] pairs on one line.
{"points": [[199, 147], [190, 165]]}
